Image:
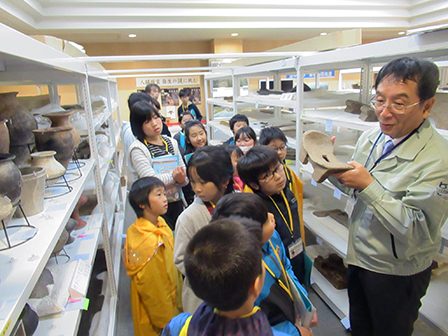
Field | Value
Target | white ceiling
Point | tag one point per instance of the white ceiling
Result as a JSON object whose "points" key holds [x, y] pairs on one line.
{"points": [[85, 21]]}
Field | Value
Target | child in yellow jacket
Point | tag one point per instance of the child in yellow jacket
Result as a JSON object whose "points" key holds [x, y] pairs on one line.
{"points": [[156, 284]]}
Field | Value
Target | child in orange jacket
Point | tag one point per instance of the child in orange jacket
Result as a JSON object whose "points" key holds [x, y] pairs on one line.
{"points": [[156, 284]]}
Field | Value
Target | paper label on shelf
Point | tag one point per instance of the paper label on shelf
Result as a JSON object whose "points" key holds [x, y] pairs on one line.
{"points": [[86, 236], [82, 304], [314, 183], [5, 307], [80, 280], [84, 256], [337, 193], [346, 322], [329, 125], [256, 104]]}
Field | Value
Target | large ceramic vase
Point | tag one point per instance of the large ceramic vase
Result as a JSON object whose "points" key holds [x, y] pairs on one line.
{"points": [[20, 125], [53, 168], [33, 190], [4, 137], [58, 139], [63, 119], [11, 180]]}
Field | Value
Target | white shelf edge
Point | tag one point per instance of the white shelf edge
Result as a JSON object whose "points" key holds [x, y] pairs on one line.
{"points": [[261, 100], [333, 233], [337, 299], [34, 254], [67, 323], [337, 118]]}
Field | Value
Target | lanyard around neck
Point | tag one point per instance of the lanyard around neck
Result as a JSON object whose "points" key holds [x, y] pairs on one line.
{"points": [[164, 142], [286, 288], [385, 154], [289, 225], [287, 176]]}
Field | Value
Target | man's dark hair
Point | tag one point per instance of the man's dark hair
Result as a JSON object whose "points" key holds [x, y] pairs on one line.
{"points": [[236, 118], [270, 134], [244, 205], [258, 160], [423, 72], [141, 112], [222, 261], [184, 93], [138, 195], [248, 131], [149, 87]]}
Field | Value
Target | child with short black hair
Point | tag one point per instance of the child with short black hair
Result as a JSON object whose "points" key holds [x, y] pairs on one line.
{"points": [[187, 105], [148, 257], [195, 136], [275, 299], [235, 123], [262, 171], [275, 138], [210, 172], [180, 136], [235, 154], [245, 138], [223, 261]]}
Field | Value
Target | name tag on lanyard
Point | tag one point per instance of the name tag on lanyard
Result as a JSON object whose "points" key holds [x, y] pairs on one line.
{"points": [[295, 248]]}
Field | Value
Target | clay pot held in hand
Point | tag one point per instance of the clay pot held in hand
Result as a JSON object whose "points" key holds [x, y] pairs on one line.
{"points": [[63, 119], [20, 125], [53, 168], [57, 139]]}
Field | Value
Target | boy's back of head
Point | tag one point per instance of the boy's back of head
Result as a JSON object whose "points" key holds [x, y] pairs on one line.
{"points": [[258, 160], [222, 262], [138, 195], [184, 93]]}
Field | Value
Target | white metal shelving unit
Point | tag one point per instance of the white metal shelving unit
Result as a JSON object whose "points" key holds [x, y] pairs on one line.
{"points": [[275, 69], [433, 45], [25, 61]]}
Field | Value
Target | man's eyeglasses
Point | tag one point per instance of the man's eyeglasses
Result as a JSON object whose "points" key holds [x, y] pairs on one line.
{"points": [[394, 108], [268, 177]]}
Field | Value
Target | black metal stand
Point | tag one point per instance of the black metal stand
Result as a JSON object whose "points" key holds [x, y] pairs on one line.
{"points": [[64, 184], [12, 227]]}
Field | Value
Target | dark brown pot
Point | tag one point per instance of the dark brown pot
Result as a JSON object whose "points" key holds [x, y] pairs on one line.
{"points": [[4, 137], [63, 119], [11, 178], [20, 125], [58, 139]]}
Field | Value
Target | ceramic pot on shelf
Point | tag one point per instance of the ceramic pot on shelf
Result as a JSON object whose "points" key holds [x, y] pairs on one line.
{"points": [[4, 137], [57, 139], [20, 124], [53, 168], [33, 190], [11, 180], [63, 119]]}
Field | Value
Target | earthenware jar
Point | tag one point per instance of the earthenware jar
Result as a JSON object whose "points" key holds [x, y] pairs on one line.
{"points": [[53, 168], [57, 139], [11, 179], [63, 119], [20, 125], [32, 198], [4, 137]]}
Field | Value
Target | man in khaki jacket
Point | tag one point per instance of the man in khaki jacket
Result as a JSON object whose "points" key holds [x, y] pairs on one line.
{"points": [[398, 203]]}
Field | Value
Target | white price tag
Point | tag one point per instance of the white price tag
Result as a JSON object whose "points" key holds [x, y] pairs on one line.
{"points": [[337, 193]]}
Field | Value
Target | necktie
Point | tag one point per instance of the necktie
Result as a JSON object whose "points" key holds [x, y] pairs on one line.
{"points": [[388, 146]]}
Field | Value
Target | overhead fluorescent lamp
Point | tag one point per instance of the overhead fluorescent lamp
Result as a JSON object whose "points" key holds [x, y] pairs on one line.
{"points": [[323, 34], [132, 35], [234, 34]]}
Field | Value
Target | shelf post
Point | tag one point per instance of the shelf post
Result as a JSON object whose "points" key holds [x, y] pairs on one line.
{"points": [[85, 91]]}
